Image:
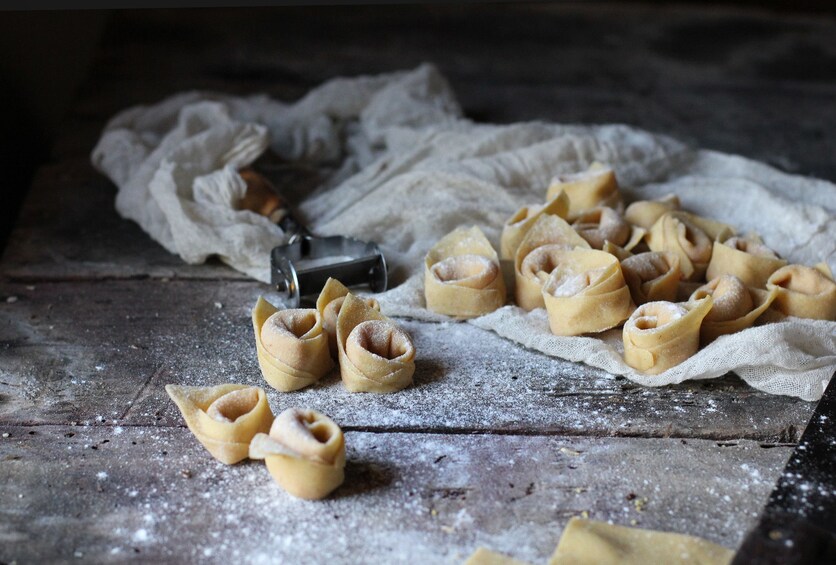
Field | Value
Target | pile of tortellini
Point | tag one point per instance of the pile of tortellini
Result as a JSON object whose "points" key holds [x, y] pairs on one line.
{"points": [[303, 449], [673, 279]]}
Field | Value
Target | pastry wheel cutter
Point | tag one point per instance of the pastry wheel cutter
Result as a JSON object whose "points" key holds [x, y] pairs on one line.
{"points": [[302, 266]]}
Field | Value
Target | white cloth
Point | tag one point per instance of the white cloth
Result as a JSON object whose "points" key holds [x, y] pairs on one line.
{"points": [[412, 170], [175, 163]]}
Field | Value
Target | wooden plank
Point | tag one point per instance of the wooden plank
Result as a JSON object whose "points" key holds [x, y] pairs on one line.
{"points": [[103, 351], [68, 229], [76, 138], [557, 44], [148, 494]]}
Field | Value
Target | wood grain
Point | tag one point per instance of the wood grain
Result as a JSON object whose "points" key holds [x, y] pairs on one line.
{"points": [[104, 351], [149, 494], [69, 230]]}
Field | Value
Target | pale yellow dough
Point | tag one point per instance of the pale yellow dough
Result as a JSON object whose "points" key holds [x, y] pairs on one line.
{"points": [[586, 292], [750, 261], [462, 275], [375, 354], [652, 276], [535, 258], [644, 213], [805, 292], [483, 556], [603, 224], [304, 452], [735, 306], [588, 542], [291, 344], [597, 186], [523, 219], [676, 233], [620, 253], [328, 305], [223, 418], [716, 231], [660, 335]]}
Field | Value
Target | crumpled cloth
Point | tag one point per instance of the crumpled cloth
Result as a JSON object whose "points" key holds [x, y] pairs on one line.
{"points": [[175, 163], [411, 169]]}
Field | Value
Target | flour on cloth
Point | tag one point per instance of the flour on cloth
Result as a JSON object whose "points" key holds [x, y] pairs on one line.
{"points": [[411, 169]]}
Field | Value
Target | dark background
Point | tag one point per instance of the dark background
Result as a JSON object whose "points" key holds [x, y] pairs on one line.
{"points": [[45, 57]]}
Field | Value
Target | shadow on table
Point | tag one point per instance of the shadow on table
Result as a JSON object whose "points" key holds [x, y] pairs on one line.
{"points": [[362, 477]]}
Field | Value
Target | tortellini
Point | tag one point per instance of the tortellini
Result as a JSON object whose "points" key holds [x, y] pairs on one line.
{"points": [[716, 231], [223, 418], [328, 304], [652, 276], [523, 219], [304, 452], [735, 306], [676, 233], [597, 186], [600, 225], [644, 213], [620, 253], [536, 259], [462, 276], [291, 344], [749, 260], [586, 292], [660, 335], [805, 292], [375, 355]]}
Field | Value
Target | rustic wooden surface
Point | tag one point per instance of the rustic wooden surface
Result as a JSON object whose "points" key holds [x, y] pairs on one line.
{"points": [[152, 494], [71, 345], [95, 318]]}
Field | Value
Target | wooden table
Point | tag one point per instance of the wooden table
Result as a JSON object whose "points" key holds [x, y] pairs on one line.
{"points": [[95, 318]]}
